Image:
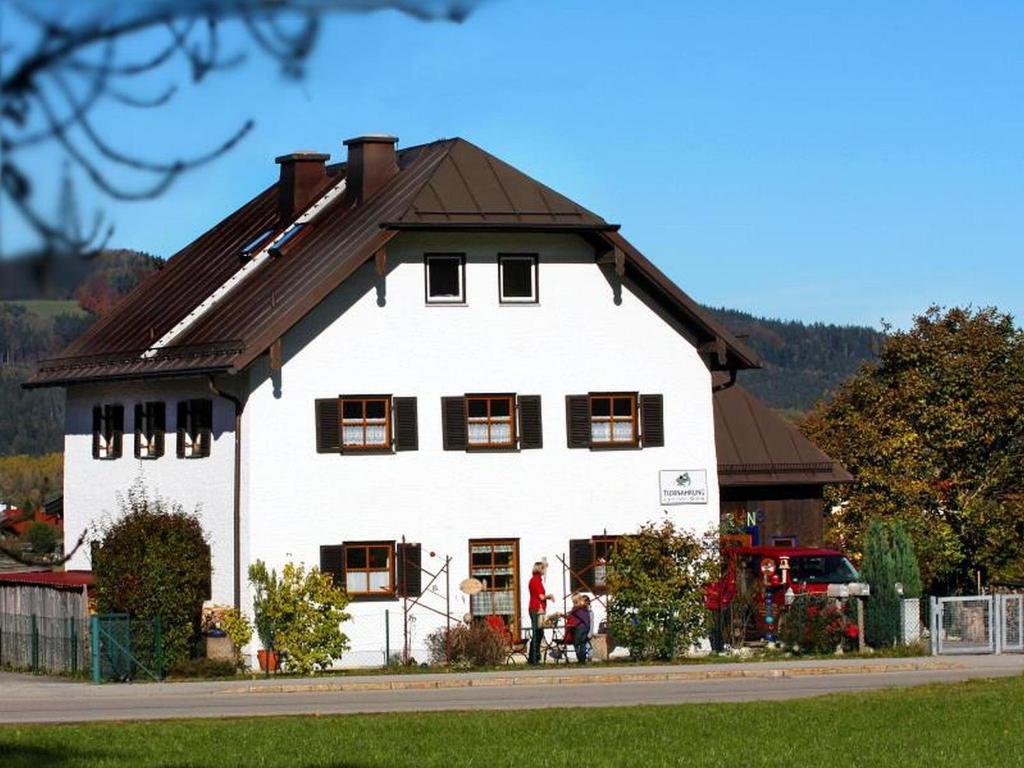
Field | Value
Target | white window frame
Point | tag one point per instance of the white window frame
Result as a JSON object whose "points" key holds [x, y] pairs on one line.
{"points": [[449, 300], [534, 262]]}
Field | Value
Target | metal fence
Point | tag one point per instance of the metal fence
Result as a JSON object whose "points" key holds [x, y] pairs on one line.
{"points": [[977, 624], [126, 648]]}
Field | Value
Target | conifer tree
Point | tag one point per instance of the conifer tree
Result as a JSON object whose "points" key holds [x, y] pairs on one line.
{"points": [[881, 620], [906, 569]]}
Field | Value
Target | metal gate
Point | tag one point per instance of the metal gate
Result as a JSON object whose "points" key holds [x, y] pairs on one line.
{"points": [[124, 647], [963, 624], [1010, 624]]}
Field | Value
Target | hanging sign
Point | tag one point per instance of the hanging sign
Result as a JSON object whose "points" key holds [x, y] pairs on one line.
{"points": [[683, 486]]}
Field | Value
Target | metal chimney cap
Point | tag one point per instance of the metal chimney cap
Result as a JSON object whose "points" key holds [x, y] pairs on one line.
{"points": [[303, 156], [371, 138]]}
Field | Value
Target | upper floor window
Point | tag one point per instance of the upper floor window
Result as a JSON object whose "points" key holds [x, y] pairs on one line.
{"points": [[613, 419], [501, 422], [517, 279], [107, 431], [366, 422], [445, 277], [150, 425], [490, 422], [195, 428]]}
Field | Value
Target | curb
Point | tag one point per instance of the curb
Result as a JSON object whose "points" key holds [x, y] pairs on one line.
{"points": [[506, 681]]}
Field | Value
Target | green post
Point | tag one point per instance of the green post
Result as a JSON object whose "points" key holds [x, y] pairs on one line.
{"points": [[35, 644], [158, 646], [73, 640], [94, 643]]}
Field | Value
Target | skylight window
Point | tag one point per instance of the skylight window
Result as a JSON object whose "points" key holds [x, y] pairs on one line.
{"points": [[253, 245], [289, 234]]}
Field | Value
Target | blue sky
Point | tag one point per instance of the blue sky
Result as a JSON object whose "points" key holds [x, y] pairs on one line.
{"points": [[819, 161]]}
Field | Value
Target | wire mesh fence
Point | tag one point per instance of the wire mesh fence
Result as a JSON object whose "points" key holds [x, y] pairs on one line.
{"points": [[126, 648], [1011, 623], [44, 644]]}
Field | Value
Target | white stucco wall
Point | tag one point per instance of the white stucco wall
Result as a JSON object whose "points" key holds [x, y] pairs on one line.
{"points": [[91, 486], [577, 339]]}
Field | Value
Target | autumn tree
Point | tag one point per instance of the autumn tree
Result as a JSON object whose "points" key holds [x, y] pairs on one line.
{"points": [[934, 435]]}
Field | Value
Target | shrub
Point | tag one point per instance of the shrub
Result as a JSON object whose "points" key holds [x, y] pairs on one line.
{"points": [[813, 624], [476, 645], [154, 561], [656, 590], [303, 611], [42, 538], [202, 668], [235, 625]]}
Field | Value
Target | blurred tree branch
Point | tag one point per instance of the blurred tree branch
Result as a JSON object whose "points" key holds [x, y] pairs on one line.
{"points": [[50, 88]]}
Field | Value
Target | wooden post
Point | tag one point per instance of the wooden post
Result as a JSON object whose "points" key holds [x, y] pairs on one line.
{"points": [[860, 624]]}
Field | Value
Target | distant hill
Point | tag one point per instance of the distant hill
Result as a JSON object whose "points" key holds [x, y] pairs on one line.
{"points": [[803, 363], [44, 306]]}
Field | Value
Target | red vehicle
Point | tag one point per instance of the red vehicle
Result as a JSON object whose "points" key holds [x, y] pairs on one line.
{"points": [[752, 574]]}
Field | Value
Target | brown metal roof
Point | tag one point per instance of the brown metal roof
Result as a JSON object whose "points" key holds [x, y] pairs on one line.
{"points": [[758, 447], [445, 184]]}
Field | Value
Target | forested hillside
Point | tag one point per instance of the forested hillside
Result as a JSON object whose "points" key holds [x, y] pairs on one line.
{"points": [[802, 363], [45, 306]]}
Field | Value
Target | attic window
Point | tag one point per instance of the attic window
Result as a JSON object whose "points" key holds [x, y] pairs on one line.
{"points": [[253, 245], [446, 278], [517, 279], [289, 234]]}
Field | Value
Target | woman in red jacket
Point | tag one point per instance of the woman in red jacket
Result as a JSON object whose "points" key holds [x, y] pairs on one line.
{"points": [[538, 601]]}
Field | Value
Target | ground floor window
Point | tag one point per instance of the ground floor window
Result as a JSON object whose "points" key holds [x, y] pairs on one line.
{"points": [[369, 568], [495, 563], [590, 561]]}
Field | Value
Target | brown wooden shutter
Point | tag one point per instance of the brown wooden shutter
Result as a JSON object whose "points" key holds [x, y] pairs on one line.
{"points": [[204, 415], [332, 562], [118, 413], [453, 423], [405, 422], [652, 421], [159, 426], [581, 565], [531, 433], [137, 426], [408, 573], [97, 420], [328, 429], [577, 421], [182, 419]]}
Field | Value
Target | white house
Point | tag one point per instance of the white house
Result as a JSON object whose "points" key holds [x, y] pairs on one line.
{"points": [[423, 346]]}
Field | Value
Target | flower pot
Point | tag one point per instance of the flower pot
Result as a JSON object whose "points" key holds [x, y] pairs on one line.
{"points": [[267, 659]]}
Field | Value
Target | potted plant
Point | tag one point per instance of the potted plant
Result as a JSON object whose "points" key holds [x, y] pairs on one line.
{"points": [[264, 585]]}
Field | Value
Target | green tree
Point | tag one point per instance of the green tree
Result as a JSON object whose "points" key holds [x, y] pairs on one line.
{"points": [[154, 560], [42, 538], [656, 590], [905, 568], [301, 613], [882, 615], [934, 435]]}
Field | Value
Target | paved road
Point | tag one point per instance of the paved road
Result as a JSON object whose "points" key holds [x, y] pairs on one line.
{"points": [[25, 699]]}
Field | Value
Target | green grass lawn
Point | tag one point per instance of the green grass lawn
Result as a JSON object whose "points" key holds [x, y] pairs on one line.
{"points": [[49, 308], [980, 723]]}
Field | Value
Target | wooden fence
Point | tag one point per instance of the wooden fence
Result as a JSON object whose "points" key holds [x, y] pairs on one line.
{"points": [[44, 628]]}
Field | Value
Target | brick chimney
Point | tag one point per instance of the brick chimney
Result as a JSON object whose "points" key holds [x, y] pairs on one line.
{"points": [[372, 162], [303, 177]]}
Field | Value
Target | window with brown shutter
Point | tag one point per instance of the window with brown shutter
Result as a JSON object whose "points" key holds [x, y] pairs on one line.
{"points": [[332, 562], [453, 423], [406, 424], [195, 428], [150, 426], [328, 425], [495, 563], [589, 561], [652, 421], [613, 420], [365, 422], [107, 431], [577, 421], [369, 569], [408, 570], [531, 432], [490, 421]]}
